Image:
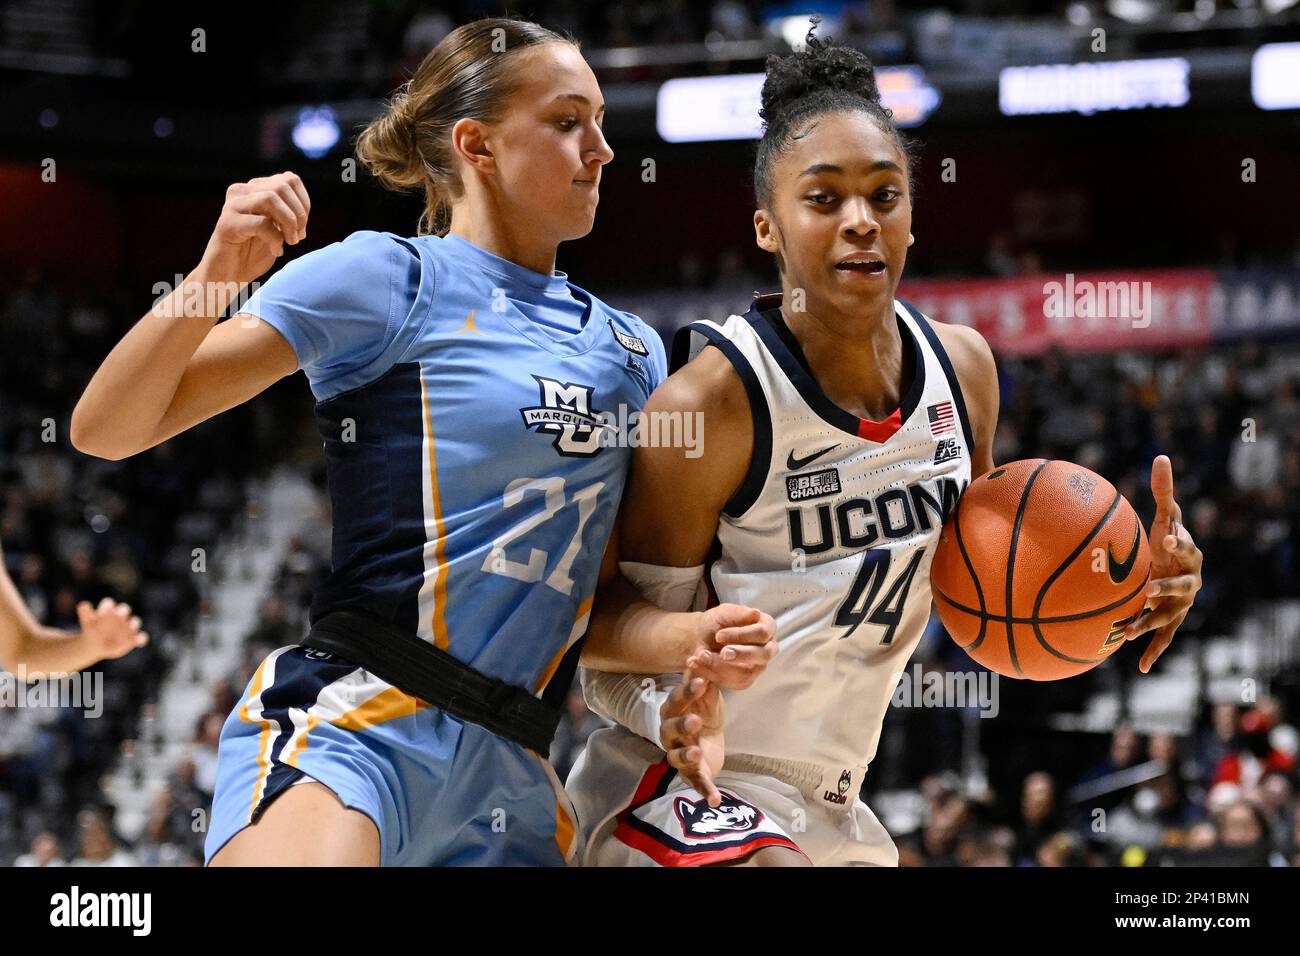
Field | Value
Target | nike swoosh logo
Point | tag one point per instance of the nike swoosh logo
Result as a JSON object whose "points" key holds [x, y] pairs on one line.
{"points": [[794, 464], [1119, 570]]}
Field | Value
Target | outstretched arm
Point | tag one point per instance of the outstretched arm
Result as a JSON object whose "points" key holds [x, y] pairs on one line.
{"points": [[28, 648]]}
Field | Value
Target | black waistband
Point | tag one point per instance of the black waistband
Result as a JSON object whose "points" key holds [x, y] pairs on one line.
{"points": [[436, 677]]}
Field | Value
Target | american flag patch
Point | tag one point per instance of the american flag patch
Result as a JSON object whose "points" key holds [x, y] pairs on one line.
{"points": [[941, 420]]}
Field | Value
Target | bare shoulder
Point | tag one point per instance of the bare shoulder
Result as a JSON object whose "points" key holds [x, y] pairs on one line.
{"points": [[706, 383], [709, 389], [972, 358], [690, 482], [977, 372]]}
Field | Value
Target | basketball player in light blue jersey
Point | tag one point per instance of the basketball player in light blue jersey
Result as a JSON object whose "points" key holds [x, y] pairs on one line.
{"points": [[460, 385]]}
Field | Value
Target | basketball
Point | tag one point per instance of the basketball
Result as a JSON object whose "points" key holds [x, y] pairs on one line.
{"points": [[1039, 569]]}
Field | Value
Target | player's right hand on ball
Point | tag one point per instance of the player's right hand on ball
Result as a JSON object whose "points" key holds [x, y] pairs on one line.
{"points": [[258, 218], [690, 731], [736, 643]]}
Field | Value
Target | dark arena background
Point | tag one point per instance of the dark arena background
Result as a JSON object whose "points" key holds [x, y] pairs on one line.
{"points": [[1148, 141]]}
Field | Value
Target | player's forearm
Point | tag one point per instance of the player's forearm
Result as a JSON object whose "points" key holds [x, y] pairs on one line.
{"points": [[47, 651], [629, 635], [131, 391]]}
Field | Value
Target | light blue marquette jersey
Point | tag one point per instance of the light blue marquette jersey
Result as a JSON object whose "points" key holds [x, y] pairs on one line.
{"points": [[459, 401], [463, 402]]}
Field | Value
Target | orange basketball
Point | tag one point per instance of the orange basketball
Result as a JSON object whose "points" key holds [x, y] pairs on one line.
{"points": [[1039, 568]]}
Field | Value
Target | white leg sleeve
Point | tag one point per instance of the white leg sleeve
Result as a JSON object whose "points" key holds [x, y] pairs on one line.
{"points": [[634, 700]]}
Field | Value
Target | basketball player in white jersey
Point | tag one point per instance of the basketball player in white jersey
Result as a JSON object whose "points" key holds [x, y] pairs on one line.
{"points": [[840, 428]]}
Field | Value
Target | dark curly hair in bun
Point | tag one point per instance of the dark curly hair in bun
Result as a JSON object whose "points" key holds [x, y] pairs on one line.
{"points": [[823, 78]]}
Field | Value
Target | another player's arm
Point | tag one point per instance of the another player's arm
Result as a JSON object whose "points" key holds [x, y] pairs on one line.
{"points": [[174, 369], [977, 373], [107, 631], [669, 518]]}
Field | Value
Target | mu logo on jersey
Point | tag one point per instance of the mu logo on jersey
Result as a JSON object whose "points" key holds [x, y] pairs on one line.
{"points": [[703, 822], [567, 413]]}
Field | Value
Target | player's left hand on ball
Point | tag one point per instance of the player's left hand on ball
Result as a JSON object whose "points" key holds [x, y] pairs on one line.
{"points": [[736, 643], [110, 629], [1175, 569]]}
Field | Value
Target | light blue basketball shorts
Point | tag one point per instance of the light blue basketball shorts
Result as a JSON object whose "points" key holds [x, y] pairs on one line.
{"points": [[441, 791]]}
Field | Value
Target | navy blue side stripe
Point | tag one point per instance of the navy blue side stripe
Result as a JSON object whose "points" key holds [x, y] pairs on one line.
{"points": [[298, 682], [924, 325], [376, 486], [761, 459]]}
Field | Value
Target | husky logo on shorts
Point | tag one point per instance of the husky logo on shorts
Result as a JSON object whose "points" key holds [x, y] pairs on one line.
{"points": [[703, 822], [839, 795], [567, 413]]}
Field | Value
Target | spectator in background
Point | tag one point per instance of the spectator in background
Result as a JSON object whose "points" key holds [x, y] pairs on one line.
{"points": [[1276, 799], [44, 852], [1061, 849], [986, 848], [204, 752], [1218, 740], [1256, 755], [1040, 817], [1156, 813], [943, 831], [1243, 827], [163, 844], [97, 846]]}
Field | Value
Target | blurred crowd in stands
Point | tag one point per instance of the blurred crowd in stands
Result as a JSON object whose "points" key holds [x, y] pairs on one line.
{"points": [[1223, 797], [77, 528]]}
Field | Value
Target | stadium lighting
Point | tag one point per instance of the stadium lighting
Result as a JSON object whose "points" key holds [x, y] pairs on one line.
{"points": [[1093, 87], [315, 131], [710, 108], [1274, 68]]}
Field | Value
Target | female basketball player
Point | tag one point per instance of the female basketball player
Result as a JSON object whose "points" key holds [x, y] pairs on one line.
{"points": [[108, 631], [825, 486], [459, 382]]}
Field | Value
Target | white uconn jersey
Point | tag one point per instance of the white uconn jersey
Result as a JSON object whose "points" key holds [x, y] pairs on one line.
{"points": [[832, 533]]}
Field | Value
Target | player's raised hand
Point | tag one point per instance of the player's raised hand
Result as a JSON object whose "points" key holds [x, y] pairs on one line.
{"points": [[1175, 569], [258, 218], [110, 630], [736, 644], [690, 731]]}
